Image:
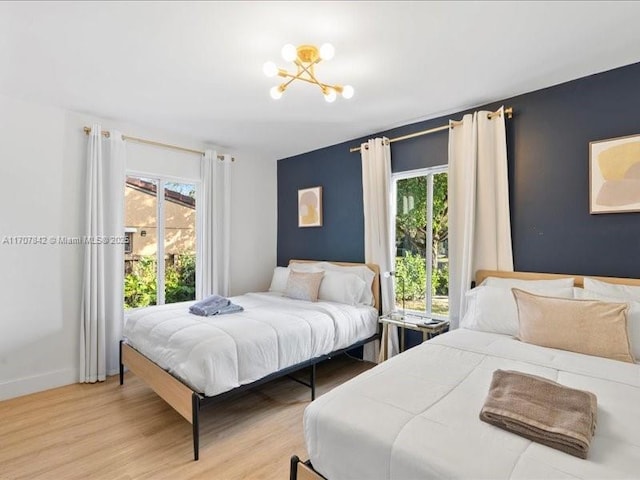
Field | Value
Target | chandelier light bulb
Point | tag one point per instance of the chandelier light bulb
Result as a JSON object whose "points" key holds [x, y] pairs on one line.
{"points": [[330, 96], [270, 69], [289, 52], [327, 51], [347, 91], [275, 92]]}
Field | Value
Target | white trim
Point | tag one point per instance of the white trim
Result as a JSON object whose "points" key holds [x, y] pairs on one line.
{"points": [[38, 383], [419, 172], [167, 178], [428, 297], [160, 239]]}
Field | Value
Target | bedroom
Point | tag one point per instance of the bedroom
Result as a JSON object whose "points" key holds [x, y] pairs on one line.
{"points": [[565, 93]]}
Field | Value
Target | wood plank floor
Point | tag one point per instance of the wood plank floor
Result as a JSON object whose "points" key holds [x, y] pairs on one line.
{"points": [[105, 431]]}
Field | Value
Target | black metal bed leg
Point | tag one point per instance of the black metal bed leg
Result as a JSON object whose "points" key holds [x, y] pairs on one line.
{"points": [[121, 366], [195, 420], [313, 382], [293, 470]]}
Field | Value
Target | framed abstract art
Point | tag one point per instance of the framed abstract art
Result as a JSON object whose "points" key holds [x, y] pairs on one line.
{"points": [[614, 175], [310, 207]]}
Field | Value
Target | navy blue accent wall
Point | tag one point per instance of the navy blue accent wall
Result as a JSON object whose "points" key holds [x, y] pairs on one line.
{"points": [[341, 236], [548, 147]]}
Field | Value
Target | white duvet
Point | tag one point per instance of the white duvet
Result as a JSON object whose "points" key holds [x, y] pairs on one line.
{"points": [[416, 416], [216, 354]]}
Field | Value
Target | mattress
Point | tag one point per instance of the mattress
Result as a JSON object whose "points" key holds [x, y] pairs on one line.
{"points": [[216, 354], [416, 415]]}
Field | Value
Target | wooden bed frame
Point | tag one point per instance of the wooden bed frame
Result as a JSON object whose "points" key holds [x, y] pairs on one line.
{"points": [[303, 470], [188, 403]]}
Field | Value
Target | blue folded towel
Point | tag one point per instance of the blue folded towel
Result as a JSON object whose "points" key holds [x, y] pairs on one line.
{"points": [[231, 308], [214, 305]]}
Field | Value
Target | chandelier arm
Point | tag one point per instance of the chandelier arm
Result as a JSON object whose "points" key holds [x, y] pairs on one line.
{"points": [[298, 76], [309, 70], [323, 85]]}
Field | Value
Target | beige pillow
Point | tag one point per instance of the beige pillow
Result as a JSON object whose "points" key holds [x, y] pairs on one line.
{"points": [[583, 326], [304, 285]]}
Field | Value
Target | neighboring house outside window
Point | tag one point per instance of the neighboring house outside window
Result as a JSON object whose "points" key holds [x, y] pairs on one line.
{"points": [[160, 255]]}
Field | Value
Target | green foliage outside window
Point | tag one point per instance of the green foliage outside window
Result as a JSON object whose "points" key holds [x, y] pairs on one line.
{"points": [[412, 270], [180, 281]]}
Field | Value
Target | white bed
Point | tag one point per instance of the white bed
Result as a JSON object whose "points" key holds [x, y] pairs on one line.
{"points": [[216, 354], [416, 416], [193, 362]]}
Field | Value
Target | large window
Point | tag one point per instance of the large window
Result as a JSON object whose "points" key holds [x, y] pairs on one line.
{"points": [[161, 256], [422, 247]]}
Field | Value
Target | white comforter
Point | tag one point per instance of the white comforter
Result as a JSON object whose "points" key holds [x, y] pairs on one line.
{"points": [[216, 354], [416, 415]]}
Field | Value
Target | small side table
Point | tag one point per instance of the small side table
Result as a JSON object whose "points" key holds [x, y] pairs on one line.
{"points": [[407, 322]]}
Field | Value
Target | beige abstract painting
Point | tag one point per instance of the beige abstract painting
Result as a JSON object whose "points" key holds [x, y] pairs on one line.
{"points": [[310, 207], [614, 171]]}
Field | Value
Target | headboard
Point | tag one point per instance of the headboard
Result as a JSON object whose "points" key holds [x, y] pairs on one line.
{"points": [[579, 279], [375, 286]]}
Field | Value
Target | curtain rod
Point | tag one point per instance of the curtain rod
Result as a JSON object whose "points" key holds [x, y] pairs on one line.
{"points": [[107, 134], [508, 113]]}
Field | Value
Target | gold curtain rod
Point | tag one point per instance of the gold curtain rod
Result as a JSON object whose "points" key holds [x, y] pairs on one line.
{"points": [[107, 134], [507, 111]]}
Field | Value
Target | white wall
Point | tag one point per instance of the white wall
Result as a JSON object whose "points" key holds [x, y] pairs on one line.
{"points": [[42, 177]]}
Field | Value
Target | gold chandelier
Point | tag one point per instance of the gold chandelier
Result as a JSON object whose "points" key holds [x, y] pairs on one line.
{"points": [[305, 57]]}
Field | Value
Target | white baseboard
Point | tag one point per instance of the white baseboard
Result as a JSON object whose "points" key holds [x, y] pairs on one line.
{"points": [[37, 383]]}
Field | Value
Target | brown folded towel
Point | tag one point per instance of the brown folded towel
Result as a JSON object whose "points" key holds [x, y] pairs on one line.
{"points": [[542, 411]]}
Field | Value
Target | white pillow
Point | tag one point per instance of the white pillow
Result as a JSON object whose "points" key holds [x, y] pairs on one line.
{"points": [[493, 309], [361, 271], [633, 316], [279, 279], [341, 287], [624, 292], [523, 284]]}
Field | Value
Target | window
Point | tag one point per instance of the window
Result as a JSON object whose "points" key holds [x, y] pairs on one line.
{"points": [[422, 247], [161, 229], [128, 247]]}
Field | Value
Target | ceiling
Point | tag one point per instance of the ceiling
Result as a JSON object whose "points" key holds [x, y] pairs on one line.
{"points": [[195, 68]]}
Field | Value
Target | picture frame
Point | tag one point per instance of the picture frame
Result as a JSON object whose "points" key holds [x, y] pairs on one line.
{"points": [[614, 175], [310, 207]]}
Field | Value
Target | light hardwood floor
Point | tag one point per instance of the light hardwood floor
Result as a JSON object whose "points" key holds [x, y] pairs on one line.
{"points": [[105, 431]]}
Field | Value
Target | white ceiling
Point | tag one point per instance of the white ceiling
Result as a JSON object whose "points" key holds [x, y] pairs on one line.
{"points": [[195, 68]]}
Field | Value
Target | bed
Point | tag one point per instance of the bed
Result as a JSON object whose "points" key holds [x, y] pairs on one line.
{"points": [[416, 415], [192, 362]]}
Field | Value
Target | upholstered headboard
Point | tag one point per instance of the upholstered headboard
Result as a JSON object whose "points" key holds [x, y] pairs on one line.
{"points": [[375, 286]]}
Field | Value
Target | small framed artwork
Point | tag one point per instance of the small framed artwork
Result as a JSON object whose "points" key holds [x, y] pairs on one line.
{"points": [[614, 175], [310, 207]]}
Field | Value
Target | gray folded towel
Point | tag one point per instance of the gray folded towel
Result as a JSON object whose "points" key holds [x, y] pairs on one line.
{"points": [[231, 308], [542, 411], [214, 305]]}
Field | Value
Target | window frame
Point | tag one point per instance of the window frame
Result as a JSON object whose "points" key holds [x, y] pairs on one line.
{"points": [[427, 172], [160, 223]]}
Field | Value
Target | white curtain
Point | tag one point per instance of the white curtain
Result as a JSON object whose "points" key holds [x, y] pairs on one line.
{"points": [[102, 292], [378, 231], [214, 227], [479, 223]]}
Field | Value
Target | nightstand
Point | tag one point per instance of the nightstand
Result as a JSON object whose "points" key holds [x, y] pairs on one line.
{"points": [[411, 322]]}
